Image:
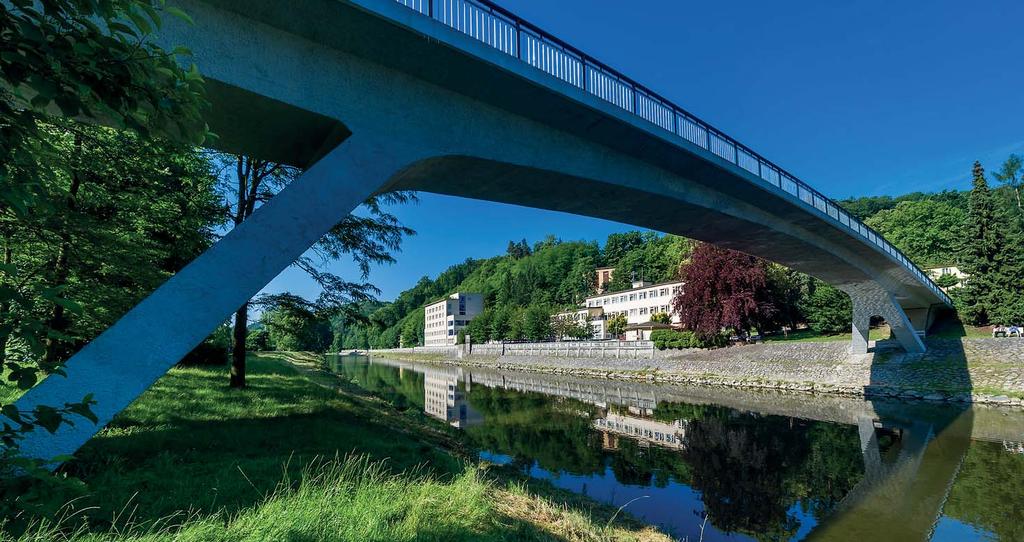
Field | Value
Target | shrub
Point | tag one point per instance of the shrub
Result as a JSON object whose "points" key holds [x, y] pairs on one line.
{"points": [[206, 353], [670, 338]]}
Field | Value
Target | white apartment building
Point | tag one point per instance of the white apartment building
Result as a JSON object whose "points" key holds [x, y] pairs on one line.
{"points": [[936, 272], [591, 315], [639, 303], [442, 320]]}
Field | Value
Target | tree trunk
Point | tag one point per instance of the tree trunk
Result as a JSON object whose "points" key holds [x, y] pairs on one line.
{"points": [[58, 320], [238, 347], [5, 307]]}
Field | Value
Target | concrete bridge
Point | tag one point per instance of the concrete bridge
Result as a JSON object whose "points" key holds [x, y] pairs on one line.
{"points": [[458, 97]]}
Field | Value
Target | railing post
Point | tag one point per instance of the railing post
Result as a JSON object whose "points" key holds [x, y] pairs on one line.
{"points": [[519, 41]]}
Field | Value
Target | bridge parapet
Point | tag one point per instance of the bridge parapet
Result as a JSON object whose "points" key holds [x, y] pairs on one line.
{"points": [[503, 30]]}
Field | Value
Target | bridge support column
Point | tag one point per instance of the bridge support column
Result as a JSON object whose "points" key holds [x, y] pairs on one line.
{"points": [[127, 358], [872, 300]]}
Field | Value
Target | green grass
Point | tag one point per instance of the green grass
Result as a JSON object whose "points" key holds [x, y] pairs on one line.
{"points": [[194, 460], [809, 335]]}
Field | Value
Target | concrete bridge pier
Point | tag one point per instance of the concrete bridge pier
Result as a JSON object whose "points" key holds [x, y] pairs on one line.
{"points": [[870, 299]]}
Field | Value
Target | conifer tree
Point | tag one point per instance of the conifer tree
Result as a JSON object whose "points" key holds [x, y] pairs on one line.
{"points": [[983, 241]]}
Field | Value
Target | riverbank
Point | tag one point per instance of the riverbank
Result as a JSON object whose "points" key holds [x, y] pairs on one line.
{"points": [[299, 454], [979, 370]]}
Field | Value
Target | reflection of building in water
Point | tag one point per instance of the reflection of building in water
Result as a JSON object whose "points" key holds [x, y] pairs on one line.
{"points": [[668, 435], [442, 399]]}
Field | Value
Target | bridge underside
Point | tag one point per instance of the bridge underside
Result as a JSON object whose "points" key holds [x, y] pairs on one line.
{"points": [[295, 82]]}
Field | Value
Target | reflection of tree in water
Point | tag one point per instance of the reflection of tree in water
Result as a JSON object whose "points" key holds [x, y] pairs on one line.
{"points": [[989, 490], [752, 470], [403, 389], [648, 465], [557, 433]]}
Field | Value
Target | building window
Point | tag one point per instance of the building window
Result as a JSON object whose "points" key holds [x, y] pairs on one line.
{"points": [[642, 295], [632, 297], [643, 310], [654, 293]]}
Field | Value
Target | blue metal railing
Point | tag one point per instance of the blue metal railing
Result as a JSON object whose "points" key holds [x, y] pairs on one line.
{"points": [[506, 32]]}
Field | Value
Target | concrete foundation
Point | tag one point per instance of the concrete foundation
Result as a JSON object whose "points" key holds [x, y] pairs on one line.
{"points": [[872, 300]]}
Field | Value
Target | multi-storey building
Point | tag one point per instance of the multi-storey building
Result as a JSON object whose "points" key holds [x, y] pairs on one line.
{"points": [[604, 277], [592, 316], [637, 304], [640, 302], [442, 320]]}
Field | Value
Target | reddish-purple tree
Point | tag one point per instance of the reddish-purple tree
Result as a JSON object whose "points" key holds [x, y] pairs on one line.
{"points": [[724, 289]]}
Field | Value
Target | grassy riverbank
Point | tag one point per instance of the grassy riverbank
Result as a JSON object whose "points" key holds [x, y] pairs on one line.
{"points": [[298, 455]]}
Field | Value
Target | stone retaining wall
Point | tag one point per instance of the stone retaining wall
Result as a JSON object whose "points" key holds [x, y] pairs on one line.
{"points": [[978, 370]]}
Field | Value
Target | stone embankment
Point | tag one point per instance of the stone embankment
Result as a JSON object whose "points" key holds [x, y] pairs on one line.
{"points": [[954, 370]]}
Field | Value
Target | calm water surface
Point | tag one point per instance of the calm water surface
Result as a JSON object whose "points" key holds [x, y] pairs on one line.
{"points": [[759, 466]]}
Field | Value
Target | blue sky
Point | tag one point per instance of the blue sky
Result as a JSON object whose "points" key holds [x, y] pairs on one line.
{"points": [[856, 98]]}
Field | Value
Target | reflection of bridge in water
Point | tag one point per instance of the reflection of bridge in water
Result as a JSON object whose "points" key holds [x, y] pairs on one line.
{"points": [[912, 451]]}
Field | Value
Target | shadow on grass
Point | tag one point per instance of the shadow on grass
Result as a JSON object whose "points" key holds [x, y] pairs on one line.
{"points": [[192, 444]]}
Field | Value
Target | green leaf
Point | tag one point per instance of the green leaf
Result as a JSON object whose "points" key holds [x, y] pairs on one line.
{"points": [[140, 22], [153, 15], [179, 14], [48, 418]]}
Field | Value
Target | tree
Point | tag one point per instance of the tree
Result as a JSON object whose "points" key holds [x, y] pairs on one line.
{"points": [[947, 280], [518, 250], [618, 244], [927, 231], [724, 289], [501, 324], [368, 239], [412, 330], [480, 327], [295, 324], [537, 323], [616, 325], [661, 318], [1011, 173], [75, 59], [828, 309], [982, 246]]}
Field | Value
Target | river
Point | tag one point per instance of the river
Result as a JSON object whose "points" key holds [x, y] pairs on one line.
{"points": [[756, 465]]}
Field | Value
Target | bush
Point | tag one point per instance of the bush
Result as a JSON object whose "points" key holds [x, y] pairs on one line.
{"points": [[206, 353], [670, 338]]}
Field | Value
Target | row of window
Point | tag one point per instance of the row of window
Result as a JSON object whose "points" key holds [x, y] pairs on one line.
{"points": [[635, 296], [638, 431], [642, 311]]}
